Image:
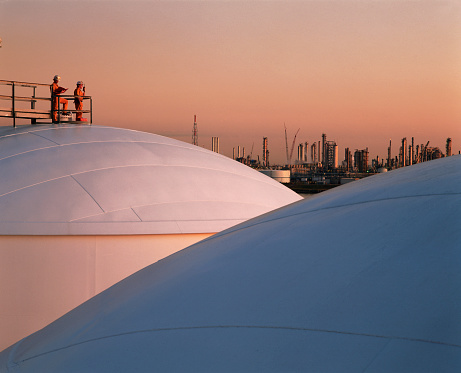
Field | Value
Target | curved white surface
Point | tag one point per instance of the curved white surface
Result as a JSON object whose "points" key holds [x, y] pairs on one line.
{"points": [[363, 278], [82, 207], [72, 180]]}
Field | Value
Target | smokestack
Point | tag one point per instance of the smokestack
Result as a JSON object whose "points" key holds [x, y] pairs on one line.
{"points": [[324, 158], [265, 152], [306, 151], [448, 147], [412, 151], [404, 152], [319, 155], [195, 132], [215, 144]]}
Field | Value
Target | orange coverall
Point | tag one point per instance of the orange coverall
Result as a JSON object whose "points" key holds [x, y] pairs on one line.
{"points": [[78, 102], [56, 90]]}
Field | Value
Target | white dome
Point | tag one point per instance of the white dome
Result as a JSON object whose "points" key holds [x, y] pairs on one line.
{"points": [[82, 207], [101, 180], [365, 277]]}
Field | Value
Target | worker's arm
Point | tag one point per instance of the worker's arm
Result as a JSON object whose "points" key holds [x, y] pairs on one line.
{"points": [[59, 90]]}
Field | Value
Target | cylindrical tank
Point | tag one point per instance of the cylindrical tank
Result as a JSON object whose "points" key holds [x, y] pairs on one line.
{"points": [[82, 207], [282, 176]]}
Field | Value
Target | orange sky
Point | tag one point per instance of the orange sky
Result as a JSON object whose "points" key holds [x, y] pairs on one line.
{"points": [[360, 71]]}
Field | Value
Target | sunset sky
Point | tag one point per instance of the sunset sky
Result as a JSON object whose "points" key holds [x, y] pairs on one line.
{"points": [[360, 71]]}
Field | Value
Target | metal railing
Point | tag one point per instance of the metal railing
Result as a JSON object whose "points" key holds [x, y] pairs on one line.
{"points": [[31, 111], [61, 118]]}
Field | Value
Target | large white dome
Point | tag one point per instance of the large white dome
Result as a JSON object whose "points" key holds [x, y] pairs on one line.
{"points": [[363, 278], [101, 180], [82, 207]]}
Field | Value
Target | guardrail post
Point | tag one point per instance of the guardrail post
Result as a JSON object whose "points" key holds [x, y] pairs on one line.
{"points": [[52, 108], [59, 110], [32, 106], [13, 106]]}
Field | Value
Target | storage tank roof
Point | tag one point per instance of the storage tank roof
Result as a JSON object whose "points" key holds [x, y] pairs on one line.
{"points": [[364, 277], [103, 180]]}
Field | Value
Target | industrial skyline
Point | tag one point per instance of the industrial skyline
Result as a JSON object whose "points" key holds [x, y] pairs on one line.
{"points": [[326, 152]]}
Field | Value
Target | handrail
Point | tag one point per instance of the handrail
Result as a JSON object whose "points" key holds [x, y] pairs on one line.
{"points": [[72, 97], [24, 98], [23, 84], [32, 113]]}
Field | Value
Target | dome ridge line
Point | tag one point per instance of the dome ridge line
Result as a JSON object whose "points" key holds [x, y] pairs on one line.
{"points": [[81, 186], [292, 328]]}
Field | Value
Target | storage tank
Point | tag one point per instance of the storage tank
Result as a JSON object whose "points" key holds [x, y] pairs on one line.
{"points": [[82, 207], [282, 176]]}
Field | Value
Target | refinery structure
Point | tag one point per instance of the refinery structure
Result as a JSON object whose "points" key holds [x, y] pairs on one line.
{"points": [[318, 168], [318, 163], [323, 155]]}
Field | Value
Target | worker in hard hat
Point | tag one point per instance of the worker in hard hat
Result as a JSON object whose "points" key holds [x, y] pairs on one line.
{"points": [[56, 90], [78, 100]]}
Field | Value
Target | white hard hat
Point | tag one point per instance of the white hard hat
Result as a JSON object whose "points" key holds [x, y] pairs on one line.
{"points": [[57, 77], [79, 82]]}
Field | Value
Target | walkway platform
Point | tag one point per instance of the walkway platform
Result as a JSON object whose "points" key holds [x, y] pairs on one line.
{"points": [[28, 105]]}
